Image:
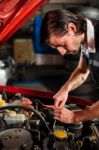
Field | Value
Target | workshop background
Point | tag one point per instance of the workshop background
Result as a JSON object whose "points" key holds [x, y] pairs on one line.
{"points": [[24, 63]]}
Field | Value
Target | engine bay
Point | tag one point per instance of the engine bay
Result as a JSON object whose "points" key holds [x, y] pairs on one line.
{"points": [[25, 124]]}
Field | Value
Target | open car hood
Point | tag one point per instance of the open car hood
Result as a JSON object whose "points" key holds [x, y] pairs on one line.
{"points": [[14, 13]]}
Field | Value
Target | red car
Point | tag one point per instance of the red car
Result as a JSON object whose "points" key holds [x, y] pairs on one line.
{"points": [[25, 122]]}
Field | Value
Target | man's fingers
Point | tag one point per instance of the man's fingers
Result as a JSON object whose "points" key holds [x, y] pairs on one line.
{"points": [[57, 118], [56, 115], [50, 106], [62, 104], [59, 104], [56, 103]]}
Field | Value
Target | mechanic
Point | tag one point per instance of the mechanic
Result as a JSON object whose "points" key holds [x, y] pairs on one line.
{"points": [[70, 33]]}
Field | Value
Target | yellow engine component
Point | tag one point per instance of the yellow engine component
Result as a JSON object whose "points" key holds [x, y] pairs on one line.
{"points": [[60, 134], [2, 102]]}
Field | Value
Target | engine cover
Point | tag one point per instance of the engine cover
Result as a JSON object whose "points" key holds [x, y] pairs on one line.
{"points": [[15, 139]]}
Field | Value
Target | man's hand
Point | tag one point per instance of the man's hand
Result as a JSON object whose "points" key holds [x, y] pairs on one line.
{"points": [[60, 97], [64, 115]]}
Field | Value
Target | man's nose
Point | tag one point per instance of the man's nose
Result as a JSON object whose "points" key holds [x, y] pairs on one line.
{"points": [[61, 50]]}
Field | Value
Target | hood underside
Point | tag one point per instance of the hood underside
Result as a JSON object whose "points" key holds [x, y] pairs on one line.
{"points": [[14, 13]]}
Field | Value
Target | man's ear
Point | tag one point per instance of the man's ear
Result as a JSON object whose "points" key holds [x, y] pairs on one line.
{"points": [[71, 27]]}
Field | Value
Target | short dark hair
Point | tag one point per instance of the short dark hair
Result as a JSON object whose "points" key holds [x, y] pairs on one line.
{"points": [[55, 21]]}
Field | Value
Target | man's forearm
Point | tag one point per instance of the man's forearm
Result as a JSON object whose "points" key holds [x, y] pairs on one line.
{"points": [[89, 113], [76, 79]]}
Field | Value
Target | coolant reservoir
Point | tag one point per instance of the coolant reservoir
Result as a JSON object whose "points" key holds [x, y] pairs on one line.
{"points": [[12, 118], [60, 134]]}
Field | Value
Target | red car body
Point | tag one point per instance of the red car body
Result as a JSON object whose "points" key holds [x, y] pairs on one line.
{"points": [[14, 13]]}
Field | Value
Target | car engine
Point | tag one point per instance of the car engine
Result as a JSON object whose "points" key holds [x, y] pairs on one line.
{"points": [[25, 124]]}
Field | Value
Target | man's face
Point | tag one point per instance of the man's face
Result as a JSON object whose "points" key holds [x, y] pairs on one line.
{"points": [[67, 44]]}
